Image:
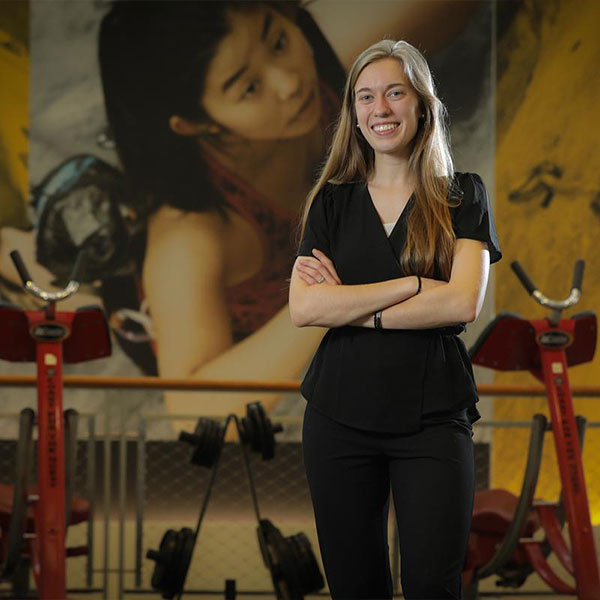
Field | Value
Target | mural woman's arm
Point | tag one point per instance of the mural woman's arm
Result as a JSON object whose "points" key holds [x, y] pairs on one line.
{"points": [[427, 25], [184, 283]]}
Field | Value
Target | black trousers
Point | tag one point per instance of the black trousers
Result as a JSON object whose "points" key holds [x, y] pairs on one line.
{"points": [[431, 474]]}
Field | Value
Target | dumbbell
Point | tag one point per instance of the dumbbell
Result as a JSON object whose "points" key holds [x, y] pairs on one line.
{"points": [[256, 431]]}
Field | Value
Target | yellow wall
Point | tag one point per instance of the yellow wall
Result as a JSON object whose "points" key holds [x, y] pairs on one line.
{"points": [[548, 106], [14, 118]]}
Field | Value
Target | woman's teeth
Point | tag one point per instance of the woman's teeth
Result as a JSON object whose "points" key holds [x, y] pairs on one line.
{"points": [[386, 127]]}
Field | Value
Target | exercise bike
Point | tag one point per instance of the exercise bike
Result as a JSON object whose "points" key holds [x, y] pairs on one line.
{"points": [[34, 519], [501, 541]]}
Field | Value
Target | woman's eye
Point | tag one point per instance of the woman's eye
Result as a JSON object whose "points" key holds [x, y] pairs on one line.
{"points": [[396, 93], [281, 43], [365, 97], [251, 89]]}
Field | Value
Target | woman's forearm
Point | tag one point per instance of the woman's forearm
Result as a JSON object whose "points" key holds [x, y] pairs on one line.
{"points": [[437, 307], [338, 305], [277, 350]]}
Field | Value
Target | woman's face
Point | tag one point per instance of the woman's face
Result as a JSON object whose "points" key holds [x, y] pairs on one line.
{"points": [[262, 83], [387, 107]]}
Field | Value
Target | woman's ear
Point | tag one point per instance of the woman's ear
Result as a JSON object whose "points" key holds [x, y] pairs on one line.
{"points": [[188, 128]]}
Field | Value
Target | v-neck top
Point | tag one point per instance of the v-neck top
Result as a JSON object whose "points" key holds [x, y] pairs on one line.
{"points": [[388, 380]]}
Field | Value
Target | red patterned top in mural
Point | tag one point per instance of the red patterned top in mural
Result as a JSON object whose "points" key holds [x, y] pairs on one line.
{"points": [[254, 301]]}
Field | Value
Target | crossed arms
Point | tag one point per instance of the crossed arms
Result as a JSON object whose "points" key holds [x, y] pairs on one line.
{"points": [[439, 304]]}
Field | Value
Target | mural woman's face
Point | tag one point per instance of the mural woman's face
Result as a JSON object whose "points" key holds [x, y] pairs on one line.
{"points": [[262, 83]]}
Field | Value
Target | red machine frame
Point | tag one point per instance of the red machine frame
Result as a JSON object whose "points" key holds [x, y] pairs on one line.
{"points": [[50, 338], [545, 348]]}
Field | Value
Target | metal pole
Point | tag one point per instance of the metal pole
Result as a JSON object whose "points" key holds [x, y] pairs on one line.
{"points": [[107, 474], [122, 497], [140, 496], [91, 487]]}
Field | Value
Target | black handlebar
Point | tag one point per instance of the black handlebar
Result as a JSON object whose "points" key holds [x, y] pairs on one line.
{"points": [[523, 277], [76, 273], [20, 266], [531, 287], [578, 274], [78, 267]]}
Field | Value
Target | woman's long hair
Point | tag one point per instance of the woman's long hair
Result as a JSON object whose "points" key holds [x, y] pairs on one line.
{"points": [[430, 237]]}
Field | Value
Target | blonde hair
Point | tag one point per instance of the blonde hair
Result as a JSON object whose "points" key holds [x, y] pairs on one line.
{"points": [[430, 237]]}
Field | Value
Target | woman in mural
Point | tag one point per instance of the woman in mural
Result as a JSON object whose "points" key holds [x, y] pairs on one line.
{"points": [[220, 114], [394, 260]]}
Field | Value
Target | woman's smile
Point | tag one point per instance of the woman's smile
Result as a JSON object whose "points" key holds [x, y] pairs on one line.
{"points": [[385, 128]]}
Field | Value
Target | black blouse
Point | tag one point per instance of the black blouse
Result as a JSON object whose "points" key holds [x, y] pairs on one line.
{"points": [[388, 380]]}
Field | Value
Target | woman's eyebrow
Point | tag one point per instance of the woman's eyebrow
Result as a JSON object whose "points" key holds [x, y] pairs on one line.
{"points": [[266, 26], [387, 87], [263, 36]]}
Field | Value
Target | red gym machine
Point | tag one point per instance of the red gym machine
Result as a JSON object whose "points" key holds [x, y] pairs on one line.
{"points": [[36, 520], [503, 526]]}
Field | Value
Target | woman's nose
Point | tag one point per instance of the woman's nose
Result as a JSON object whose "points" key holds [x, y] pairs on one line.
{"points": [[287, 84], [381, 107]]}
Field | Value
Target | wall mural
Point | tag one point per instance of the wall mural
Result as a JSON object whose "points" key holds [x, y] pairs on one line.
{"points": [[156, 147]]}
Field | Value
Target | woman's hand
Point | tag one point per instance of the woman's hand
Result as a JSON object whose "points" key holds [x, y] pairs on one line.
{"points": [[317, 270]]}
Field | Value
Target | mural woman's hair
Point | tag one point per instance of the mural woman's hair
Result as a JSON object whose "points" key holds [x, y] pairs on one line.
{"points": [[430, 238]]}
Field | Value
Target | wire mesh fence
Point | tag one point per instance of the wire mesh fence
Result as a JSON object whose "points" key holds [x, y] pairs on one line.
{"points": [[154, 487]]}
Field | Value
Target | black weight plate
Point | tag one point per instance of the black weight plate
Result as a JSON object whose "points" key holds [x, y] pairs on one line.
{"points": [[264, 440], [185, 548], [216, 441], [261, 531], [268, 439], [311, 579], [254, 430], [258, 426], [283, 572], [198, 454], [207, 440], [162, 574]]}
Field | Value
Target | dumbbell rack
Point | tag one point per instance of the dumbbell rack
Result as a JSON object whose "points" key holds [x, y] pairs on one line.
{"points": [[290, 561]]}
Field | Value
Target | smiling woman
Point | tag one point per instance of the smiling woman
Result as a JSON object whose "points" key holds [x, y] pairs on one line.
{"points": [[391, 392]]}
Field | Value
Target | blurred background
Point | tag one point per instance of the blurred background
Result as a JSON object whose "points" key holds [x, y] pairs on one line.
{"points": [[89, 160]]}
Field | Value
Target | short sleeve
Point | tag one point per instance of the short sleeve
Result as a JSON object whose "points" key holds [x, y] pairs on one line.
{"points": [[316, 232], [473, 218]]}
